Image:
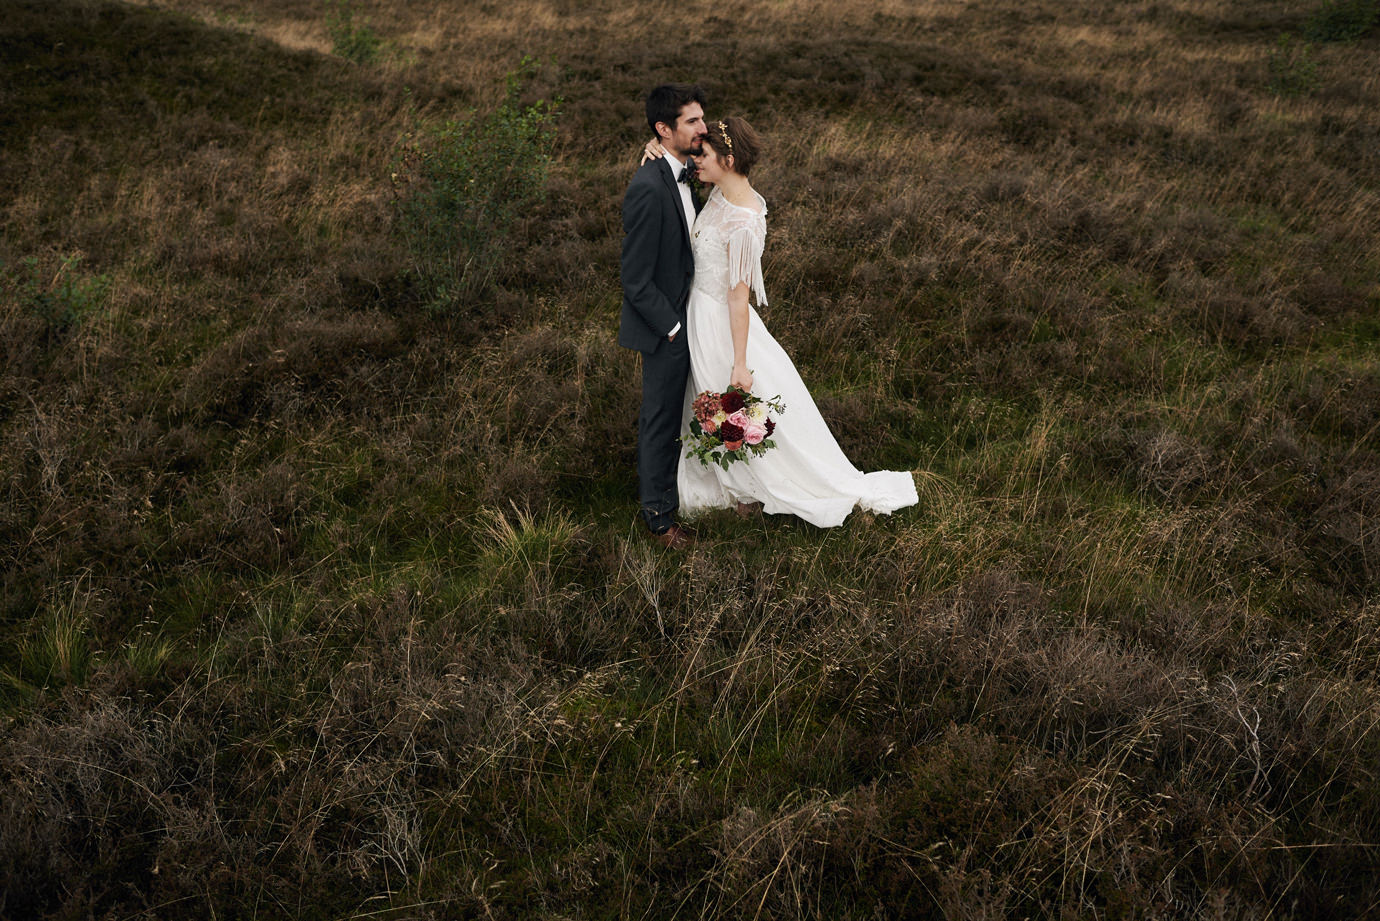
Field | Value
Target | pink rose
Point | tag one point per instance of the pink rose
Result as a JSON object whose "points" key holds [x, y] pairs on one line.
{"points": [[753, 431]]}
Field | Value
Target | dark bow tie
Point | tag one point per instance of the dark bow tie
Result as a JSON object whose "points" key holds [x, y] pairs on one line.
{"points": [[685, 174]]}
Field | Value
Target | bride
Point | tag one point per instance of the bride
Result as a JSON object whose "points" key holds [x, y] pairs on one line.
{"points": [[806, 474]]}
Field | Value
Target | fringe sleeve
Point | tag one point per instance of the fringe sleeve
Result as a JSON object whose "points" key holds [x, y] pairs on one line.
{"points": [[745, 260]]}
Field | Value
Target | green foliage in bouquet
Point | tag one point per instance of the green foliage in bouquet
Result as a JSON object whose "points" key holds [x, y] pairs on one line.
{"points": [[461, 187], [716, 439]]}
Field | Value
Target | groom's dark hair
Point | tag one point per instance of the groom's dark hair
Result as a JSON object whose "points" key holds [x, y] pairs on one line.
{"points": [[665, 102]]}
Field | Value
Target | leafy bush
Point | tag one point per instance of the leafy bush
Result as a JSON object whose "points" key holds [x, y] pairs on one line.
{"points": [[1342, 20], [358, 43], [462, 186], [1293, 70], [60, 300]]}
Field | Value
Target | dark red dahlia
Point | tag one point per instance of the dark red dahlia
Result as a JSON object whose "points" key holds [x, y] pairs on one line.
{"points": [[731, 401], [728, 431], [770, 427]]}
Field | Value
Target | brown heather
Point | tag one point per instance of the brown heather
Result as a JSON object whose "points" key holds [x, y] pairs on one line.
{"points": [[316, 604]]}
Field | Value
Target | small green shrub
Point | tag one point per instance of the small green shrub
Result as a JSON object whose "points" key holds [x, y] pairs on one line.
{"points": [[1293, 70], [61, 300], [460, 188], [352, 41], [1342, 20]]}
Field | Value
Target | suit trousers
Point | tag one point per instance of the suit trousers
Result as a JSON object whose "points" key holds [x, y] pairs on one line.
{"points": [[664, 374]]}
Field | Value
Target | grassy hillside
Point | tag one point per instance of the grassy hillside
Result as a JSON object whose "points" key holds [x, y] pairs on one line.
{"points": [[318, 602]]}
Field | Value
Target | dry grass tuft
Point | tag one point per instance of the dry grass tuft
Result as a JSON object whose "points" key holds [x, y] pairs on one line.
{"points": [[318, 604]]}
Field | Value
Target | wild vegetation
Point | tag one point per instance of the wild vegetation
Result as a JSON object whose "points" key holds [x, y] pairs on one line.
{"points": [[324, 597]]}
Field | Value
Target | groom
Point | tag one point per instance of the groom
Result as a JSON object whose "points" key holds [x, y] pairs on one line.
{"points": [[658, 210]]}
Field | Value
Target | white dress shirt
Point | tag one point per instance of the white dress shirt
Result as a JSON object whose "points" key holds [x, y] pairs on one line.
{"points": [[687, 205], [686, 202]]}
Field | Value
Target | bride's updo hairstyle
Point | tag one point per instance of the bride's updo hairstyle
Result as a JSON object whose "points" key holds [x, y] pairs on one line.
{"points": [[735, 137]]}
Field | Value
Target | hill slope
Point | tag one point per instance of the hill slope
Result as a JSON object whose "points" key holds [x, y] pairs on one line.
{"points": [[317, 603]]}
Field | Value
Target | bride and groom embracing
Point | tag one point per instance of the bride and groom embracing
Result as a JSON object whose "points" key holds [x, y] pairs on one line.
{"points": [[688, 267]]}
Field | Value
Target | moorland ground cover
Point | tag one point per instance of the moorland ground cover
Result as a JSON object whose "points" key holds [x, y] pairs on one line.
{"points": [[323, 595]]}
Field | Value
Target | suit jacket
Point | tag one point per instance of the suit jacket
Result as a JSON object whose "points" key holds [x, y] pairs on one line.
{"points": [[657, 262]]}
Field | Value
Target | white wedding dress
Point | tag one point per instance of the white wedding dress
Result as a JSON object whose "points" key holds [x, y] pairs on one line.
{"points": [[806, 474]]}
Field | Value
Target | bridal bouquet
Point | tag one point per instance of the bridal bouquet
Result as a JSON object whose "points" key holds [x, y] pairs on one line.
{"points": [[730, 426]]}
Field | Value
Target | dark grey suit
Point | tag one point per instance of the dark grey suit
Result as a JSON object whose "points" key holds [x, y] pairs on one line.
{"points": [[657, 269]]}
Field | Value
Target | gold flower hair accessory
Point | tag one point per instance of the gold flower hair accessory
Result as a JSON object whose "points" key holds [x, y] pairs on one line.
{"points": [[723, 130]]}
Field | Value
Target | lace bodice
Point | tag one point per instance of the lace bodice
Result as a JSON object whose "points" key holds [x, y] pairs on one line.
{"points": [[727, 242]]}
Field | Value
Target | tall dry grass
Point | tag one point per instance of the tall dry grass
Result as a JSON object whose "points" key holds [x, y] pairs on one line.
{"points": [[316, 604]]}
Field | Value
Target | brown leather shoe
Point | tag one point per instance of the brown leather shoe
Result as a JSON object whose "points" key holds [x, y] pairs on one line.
{"points": [[675, 538], [748, 509]]}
